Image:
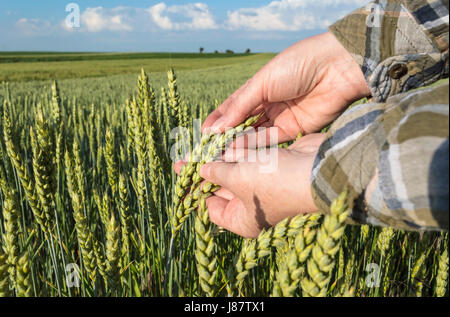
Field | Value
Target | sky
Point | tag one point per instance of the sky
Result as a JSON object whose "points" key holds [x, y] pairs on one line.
{"points": [[164, 26]]}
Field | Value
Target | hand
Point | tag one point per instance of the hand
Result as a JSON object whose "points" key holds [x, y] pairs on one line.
{"points": [[302, 89], [251, 199]]}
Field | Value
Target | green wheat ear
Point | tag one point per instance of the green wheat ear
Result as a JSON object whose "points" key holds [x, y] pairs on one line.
{"points": [[322, 260], [113, 253], [205, 252], [22, 171], [254, 249], [23, 279], [442, 276], [11, 246], [292, 270], [4, 275]]}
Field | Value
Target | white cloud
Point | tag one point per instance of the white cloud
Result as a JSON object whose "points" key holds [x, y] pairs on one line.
{"points": [[157, 14], [101, 19], [291, 15], [278, 15], [192, 16], [33, 26]]}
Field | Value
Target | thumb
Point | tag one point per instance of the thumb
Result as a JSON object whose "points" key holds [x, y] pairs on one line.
{"points": [[231, 215], [219, 173]]}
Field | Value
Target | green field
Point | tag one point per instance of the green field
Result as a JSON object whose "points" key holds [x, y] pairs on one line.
{"points": [[86, 181], [41, 66]]}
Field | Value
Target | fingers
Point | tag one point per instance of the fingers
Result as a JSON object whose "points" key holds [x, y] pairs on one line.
{"points": [[264, 136], [213, 116], [237, 107], [219, 173], [229, 214], [225, 194], [233, 155], [219, 112], [309, 143], [177, 166]]}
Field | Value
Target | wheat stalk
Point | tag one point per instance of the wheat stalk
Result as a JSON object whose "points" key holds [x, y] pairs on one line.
{"points": [[112, 253], [56, 103], [166, 118], [43, 167], [141, 153], [349, 270], [111, 160], [130, 128], [174, 100], [205, 249], [417, 271], [23, 279], [11, 247], [154, 165], [153, 137], [4, 275], [79, 170], [442, 276], [254, 249], [292, 270], [125, 217], [321, 263], [384, 240], [100, 259], [22, 171], [85, 237]]}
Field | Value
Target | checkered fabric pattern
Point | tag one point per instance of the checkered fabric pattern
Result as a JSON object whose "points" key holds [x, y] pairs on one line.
{"points": [[387, 35], [392, 155]]}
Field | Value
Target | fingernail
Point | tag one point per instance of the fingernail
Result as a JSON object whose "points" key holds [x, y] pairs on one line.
{"points": [[219, 124], [205, 171]]}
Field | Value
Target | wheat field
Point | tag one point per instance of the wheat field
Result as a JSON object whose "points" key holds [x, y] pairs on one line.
{"points": [[90, 205]]}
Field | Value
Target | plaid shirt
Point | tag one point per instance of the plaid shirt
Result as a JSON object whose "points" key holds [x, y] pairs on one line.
{"points": [[392, 155]]}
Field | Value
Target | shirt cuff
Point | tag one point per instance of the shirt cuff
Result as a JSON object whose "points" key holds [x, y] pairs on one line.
{"points": [[395, 52]]}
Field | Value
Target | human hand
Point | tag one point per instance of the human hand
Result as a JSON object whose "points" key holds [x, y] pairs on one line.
{"points": [[302, 89], [249, 199]]}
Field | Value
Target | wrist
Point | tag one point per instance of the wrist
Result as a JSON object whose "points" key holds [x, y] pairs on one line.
{"points": [[349, 69], [307, 148]]}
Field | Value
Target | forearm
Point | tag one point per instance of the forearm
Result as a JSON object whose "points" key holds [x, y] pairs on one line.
{"points": [[392, 158]]}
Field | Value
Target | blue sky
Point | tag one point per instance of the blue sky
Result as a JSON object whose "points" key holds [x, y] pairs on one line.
{"points": [[167, 25]]}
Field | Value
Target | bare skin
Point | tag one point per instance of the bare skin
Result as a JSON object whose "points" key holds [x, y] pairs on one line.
{"points": [[302, 89]]}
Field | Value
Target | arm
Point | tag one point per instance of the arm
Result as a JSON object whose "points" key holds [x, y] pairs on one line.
{"points": [[393, 159], [388, 157]]}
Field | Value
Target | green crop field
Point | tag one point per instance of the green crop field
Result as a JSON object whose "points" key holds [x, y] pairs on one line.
{"points": [[42, 66], [90, 205]]}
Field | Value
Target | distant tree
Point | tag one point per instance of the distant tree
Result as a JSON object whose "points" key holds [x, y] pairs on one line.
{"points": [[229, 52], [247, 51], [201, 50], [216, 52]]}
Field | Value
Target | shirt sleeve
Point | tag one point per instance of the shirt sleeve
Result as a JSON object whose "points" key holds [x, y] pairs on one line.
{"points": [[400, 45], [392, 158]]}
